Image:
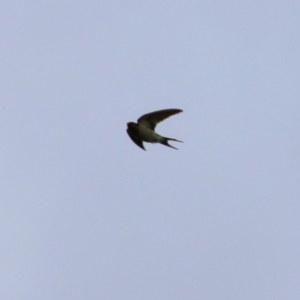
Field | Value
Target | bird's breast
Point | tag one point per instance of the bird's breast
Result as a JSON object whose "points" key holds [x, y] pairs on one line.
{"points": [[148, 135]]}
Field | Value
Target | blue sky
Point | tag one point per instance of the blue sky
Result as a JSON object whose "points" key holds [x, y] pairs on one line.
{"points": [[86, 214]]}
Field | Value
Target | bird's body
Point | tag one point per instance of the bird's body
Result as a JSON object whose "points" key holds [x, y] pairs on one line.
{"points": [[143, 131]]}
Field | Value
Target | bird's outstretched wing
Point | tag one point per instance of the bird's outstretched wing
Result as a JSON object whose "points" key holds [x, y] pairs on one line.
{"points": [[137, 141], [153, 118]]}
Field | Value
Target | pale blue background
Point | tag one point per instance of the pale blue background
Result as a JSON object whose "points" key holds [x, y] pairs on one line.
{"points": [[86, 214]]}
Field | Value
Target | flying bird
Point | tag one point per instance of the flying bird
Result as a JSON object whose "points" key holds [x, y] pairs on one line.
{"points": [[143, 130]]}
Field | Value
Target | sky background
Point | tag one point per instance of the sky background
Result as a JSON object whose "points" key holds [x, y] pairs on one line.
{"points": [[86, 214]]}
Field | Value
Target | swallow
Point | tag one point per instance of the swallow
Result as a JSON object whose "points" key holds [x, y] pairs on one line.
{"points": [[143, 130]]}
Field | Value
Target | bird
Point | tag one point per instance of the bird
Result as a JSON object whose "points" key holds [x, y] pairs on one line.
{"points": [[143, 130]]}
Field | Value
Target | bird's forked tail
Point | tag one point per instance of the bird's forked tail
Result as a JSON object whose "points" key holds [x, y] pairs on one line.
{"points": [[165, 142]]}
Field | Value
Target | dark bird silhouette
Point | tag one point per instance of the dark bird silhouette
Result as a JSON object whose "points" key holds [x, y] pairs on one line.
{"points": [[143, 130]]}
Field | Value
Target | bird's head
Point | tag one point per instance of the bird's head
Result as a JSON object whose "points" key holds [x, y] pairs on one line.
{"points": [[133, 127]]}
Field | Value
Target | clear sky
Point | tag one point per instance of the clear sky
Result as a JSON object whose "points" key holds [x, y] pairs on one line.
{"points": [[86, 214]]}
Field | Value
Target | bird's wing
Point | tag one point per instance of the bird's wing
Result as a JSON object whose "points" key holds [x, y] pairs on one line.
{"points": [[137, 141], [155, 117]]}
